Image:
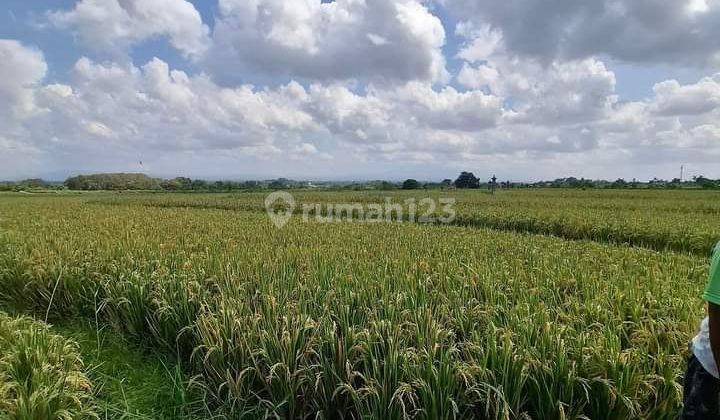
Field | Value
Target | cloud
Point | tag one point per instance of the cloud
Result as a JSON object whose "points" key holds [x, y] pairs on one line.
{"points": [[672, 98], [350, 116], [122, 111], [169, 109], [97, 129], [637, 31], [115, 25], [556, 92], [21, 69], [562, 106], [390, 40], [447, 108], [383, 121], [678, 123]]}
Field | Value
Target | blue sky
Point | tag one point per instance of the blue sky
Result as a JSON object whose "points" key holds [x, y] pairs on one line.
{"points": [[360, 89]]}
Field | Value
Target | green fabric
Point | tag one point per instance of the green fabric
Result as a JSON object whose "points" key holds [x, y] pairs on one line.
{"points": [[712, 291]]}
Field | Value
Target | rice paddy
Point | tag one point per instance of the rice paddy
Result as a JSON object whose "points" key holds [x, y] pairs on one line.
{"points": [[531, 304]]}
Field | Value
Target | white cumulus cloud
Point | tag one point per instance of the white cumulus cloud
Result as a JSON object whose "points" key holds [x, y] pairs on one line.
{"points": [[21, 69], [393, 40], [117, 24], [639, 31]]}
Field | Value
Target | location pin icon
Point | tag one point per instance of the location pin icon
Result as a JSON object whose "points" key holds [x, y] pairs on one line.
{"points": [[280, 217]]}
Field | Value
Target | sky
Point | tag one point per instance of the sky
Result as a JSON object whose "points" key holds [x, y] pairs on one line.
{"points": [[360, 89]]}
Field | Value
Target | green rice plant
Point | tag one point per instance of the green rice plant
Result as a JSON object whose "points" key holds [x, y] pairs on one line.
{"points": [[41, 374]]}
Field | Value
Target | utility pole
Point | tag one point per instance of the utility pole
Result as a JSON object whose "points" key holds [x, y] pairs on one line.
{"points": [[682, 172], [493, 180]]}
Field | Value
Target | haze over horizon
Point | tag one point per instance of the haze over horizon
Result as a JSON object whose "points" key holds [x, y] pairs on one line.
{"points": [[360, 89]]}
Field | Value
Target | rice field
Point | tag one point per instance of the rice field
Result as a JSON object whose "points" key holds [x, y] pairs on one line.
{"points": [[532, 304], [685, 221]]}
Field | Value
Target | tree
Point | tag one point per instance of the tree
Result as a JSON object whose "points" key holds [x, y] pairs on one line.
{"points": [[199, 185], [176, 184], [703, 182], [219, 186], [251, 185], [119, 181], [619, 183], [386, 185], [33, 183], [467, 180], [410, 184], [278, 184]]}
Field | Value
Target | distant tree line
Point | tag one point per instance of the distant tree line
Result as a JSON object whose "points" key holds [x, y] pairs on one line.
{"points": [[187, 184], [697, 182], [30, 184], [122, 181], [465, 180], [134, 181]]}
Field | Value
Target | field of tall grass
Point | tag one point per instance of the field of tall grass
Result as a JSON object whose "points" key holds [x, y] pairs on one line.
{"points": [[685, 221], [533, 304]]}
